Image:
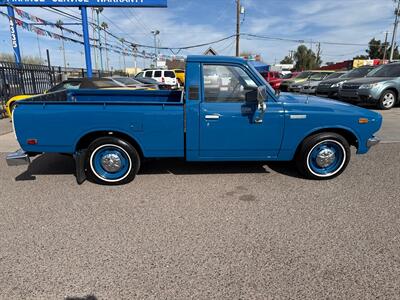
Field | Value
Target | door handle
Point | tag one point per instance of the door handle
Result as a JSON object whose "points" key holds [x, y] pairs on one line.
{"points": [[212, 117]]}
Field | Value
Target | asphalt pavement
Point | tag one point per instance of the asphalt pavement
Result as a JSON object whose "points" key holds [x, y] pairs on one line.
{"points": [[203, 231]]}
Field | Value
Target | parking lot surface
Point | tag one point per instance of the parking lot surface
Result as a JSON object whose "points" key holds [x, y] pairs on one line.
{"points": [[202, 231]]}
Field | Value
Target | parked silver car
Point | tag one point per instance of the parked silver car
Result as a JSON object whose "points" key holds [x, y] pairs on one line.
{"points": [[310, 86]]}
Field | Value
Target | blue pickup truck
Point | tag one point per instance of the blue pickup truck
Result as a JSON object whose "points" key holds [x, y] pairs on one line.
{"points": [[228, 112]]}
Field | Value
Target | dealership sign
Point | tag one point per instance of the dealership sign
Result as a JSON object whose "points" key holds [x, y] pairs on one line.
{"points": [[91, 3]]}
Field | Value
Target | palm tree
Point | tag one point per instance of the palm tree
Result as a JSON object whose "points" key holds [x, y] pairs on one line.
{"points": [[104, 25], [59, 24]]}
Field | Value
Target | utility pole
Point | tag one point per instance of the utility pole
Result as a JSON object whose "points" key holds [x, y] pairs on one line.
{"points": [[318, 53], [98, 11], [396, 22], [135, 58], [155, 33], [386, 44], [237, 27]]}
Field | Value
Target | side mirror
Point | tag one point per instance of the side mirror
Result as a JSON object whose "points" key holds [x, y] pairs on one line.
{"points": [[262, 97]]}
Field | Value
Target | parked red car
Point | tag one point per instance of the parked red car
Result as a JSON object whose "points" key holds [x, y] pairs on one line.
{"points": [[273, 78]]}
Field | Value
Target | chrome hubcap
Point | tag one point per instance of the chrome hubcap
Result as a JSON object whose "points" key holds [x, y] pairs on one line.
{"points": [[111, 162], [325, 158], [388, 100]]}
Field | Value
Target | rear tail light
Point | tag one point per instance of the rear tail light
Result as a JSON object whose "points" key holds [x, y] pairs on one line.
{"points": [[162, 79], [31, 141]]}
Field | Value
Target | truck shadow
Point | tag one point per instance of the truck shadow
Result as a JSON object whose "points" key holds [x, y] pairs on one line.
{"points": [[58, 164]]}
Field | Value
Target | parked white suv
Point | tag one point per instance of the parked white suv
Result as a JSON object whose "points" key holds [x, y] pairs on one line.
{"points": [[162, 76]]}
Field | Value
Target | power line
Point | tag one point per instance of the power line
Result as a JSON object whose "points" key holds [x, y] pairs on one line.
{"points": [[301, 41]]}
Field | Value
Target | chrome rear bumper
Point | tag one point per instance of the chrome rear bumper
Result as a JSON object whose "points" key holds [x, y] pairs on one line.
{"points": [[373, 141], [18, 158]]}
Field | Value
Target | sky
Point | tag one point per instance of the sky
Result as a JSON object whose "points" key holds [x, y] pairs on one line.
{"points": [[191, 22]]}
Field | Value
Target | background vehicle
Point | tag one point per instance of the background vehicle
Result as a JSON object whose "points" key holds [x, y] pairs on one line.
{"points": [[110, 132], [310, 86], [381, 87], [160, 86], [302, 76], [163, 76], [296, 85], [70, 84], [132, 83], [330, 87], [290, 75], [273, 78], [180, 76]]}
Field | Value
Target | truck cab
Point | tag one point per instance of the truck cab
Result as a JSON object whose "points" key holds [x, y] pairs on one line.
{"points": [[228, 112]]}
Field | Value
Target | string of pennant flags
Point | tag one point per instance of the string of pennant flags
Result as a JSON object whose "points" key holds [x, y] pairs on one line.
{"points": [[42, 32]]}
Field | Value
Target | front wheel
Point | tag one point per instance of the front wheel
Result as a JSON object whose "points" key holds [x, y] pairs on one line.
{"points": [[387, 100], [112, 161], [323, 156]]}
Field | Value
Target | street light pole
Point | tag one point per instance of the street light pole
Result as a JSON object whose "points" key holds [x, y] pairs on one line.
{"points": [[396, 12], [155, 33]]}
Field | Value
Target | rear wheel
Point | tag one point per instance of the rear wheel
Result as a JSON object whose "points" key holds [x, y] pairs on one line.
{"points": [[112, 161], [387, 100], [323, 156]]}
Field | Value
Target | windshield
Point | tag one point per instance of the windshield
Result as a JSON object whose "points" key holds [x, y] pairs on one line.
{"points": [[302, 75], [392, 70], [127, 80], [335, 75], [318, 76], [357, 73]]}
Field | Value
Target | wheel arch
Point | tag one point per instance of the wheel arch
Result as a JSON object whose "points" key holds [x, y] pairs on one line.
{"points": [[89, 137], [348, 134]]}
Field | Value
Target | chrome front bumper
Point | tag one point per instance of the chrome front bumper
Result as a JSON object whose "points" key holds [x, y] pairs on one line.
{"points": [[372, 141], [18, 158]]}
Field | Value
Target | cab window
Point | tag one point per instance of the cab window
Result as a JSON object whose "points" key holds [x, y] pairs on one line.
{"points": [[157, 74], [224, 83], [148, 74]]}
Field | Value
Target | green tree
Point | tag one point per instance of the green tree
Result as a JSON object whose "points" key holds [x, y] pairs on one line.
{"points": [[287, 60], [34, 60], [376, 50], [306, 59], [361, 57]]}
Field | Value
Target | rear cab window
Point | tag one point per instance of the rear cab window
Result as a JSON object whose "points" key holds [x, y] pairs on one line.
{"points": [[148, 74], [157, 74]]}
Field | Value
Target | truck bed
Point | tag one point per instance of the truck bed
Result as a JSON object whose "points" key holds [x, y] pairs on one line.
{"points": [[153, 119]]}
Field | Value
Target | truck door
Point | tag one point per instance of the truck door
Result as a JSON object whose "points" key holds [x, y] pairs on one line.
{"points": [[229, 125]]}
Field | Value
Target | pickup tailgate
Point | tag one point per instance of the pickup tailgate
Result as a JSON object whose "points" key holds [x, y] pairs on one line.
{"points": [[154, 119]]}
